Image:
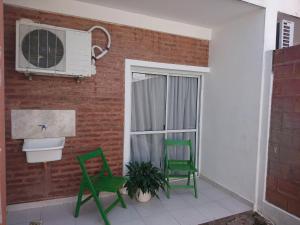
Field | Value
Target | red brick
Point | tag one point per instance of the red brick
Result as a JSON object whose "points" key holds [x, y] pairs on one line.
{"points": [[274, 137], [288, 188], [294, 173], [294, 207], [278, 57], [272, 183], [282, 137], [283, 104], [296, 139], [291, 120], [276, 120], [98, 101], [2, 122], [286, 87], [297, 104], [286, 55], [292, 53], [297, 69], [284, 71], [276, 199], [289, 155]]}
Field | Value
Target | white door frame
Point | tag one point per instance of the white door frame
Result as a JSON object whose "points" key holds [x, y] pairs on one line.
{"points": [[160, 68]]}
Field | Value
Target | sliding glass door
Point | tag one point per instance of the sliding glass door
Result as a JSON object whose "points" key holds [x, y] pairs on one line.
{"points": [[163, 106]]}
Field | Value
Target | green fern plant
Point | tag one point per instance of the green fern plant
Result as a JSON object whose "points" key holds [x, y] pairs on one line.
{"points": [[145, 177]]}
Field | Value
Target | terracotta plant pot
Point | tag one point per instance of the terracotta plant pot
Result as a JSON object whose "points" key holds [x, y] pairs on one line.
{"points": [[143, 197]]}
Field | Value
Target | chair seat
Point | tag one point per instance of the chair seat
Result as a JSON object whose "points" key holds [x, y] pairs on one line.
{"points": [[108, 183], [105, 181], [181, 165], [179, 168]]}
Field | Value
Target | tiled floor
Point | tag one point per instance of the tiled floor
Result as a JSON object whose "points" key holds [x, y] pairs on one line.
{"points": [[181, 209]]}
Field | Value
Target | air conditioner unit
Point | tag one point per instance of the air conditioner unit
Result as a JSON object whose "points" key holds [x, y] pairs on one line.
{"points": [[49, 50], [286, 34]]}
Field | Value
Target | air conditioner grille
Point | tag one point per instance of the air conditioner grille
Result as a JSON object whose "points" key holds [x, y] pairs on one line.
{"points": [[48, 50], [286, 34], [42, 48]]}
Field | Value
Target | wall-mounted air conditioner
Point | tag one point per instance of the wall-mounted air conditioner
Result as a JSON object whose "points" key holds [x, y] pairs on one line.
{"points": [[49, 50], [285, 34]]}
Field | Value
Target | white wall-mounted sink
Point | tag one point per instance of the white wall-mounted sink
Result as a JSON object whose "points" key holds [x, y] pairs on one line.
{"points": [[43, 149]]}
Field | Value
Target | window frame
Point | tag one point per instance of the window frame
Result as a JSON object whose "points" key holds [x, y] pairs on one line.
{"points": [[138, 66]]}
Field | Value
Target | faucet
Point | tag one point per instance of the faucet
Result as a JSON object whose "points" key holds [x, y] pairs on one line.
{"points": [[43, 126]]}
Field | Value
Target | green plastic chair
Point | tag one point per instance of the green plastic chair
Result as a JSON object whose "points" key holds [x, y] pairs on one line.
{"points": [[103, 182], [173, 167]]}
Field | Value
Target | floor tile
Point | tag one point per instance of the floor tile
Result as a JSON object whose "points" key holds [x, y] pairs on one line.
{"points": [[163, 218], [58, 213], [215, 194], [181, 209], [120, 215], [88, 214], [89, 218], [24, 216], [153, 207], [22, 223], [233, 205], [174, 202], [195, 202], [134, 222], [204, 185], [213, 211], [85, 221], [60, 221], [129, 201], [188, 216]]}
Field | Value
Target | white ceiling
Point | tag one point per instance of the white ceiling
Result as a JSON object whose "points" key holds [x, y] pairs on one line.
{"points": [[206, 13]]}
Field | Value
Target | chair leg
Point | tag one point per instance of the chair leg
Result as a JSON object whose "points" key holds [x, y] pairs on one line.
{"points": [[195, 185], [121, 199], [79, 199], [167, 185], [189, 178], [100, 209]]}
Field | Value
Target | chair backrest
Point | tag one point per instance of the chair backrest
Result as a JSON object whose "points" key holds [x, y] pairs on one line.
{"points": [[173, 143], [98, 153]]}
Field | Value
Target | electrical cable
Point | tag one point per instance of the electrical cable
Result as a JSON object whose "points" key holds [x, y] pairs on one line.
{"points": [[103, 51]]}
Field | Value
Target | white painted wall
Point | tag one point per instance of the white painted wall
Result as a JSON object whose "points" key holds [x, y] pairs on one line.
{"points": [[291, 7], [261, 3], [231, 105]]}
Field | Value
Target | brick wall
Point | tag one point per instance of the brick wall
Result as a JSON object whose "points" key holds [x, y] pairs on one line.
{"points": [[283, 182], [98, 101], [2, 139]]}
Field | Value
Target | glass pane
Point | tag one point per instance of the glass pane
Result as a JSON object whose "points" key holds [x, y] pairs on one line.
{"points": [[182, 153], [145, 148], [182, 103], [148, 103]]}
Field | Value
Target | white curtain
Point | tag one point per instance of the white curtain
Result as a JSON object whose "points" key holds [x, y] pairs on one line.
{"points": [[148, 114], [182, 112]]}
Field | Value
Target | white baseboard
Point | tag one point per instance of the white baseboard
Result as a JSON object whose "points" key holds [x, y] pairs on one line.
{"points": [[241, 198]]}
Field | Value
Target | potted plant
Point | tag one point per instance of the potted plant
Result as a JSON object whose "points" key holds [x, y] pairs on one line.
{"points": [[144, 180]]}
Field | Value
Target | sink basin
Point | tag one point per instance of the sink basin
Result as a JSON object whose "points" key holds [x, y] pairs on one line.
{"points": [[43, 149]]}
